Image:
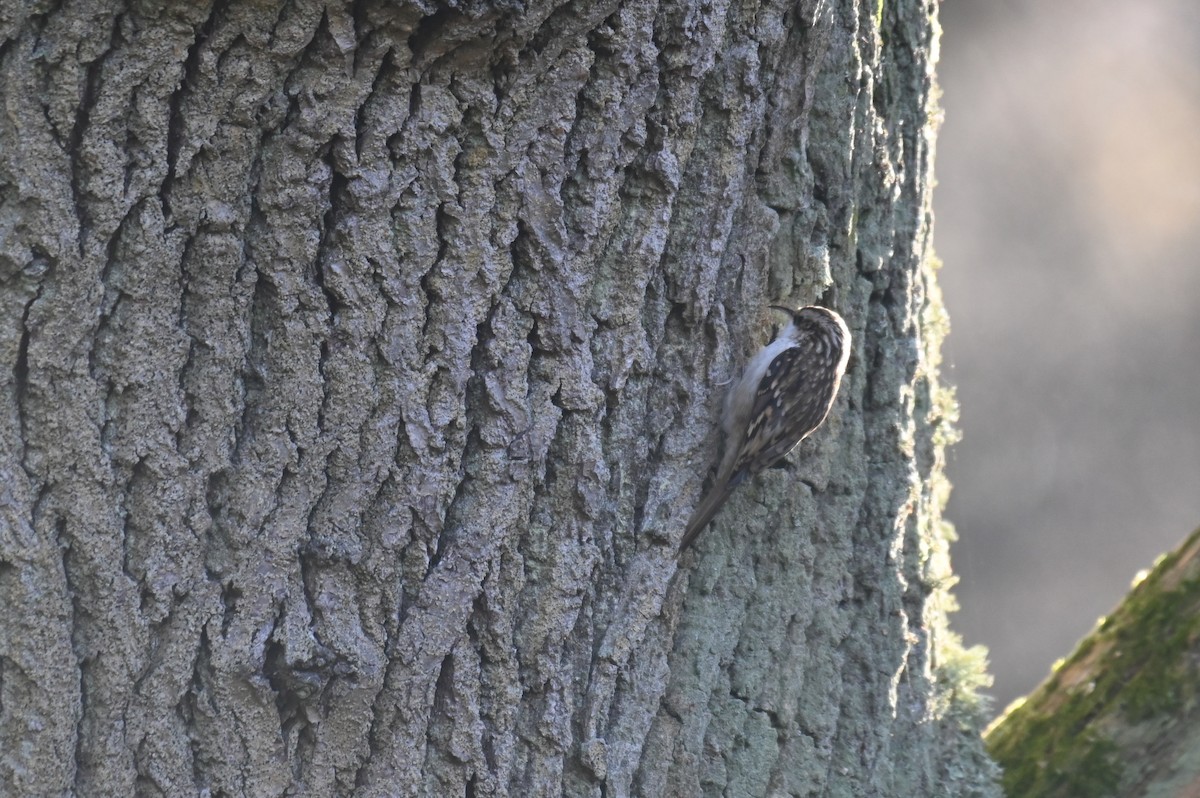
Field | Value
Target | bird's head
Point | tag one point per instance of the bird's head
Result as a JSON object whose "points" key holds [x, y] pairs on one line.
{"points": [[813, 316]]}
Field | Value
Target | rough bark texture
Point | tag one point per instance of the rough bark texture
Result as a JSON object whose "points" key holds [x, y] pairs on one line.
{"points": [[363, 365], [1121, 716]]}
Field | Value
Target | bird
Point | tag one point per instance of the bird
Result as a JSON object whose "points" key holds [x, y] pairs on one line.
{"points": [[785, 393]]}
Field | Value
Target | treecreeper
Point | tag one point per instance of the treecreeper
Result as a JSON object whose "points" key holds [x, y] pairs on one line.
{"points": [[785, 393]]}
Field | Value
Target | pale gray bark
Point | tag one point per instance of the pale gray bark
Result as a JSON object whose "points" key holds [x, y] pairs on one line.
{"points": [[363, 368]]}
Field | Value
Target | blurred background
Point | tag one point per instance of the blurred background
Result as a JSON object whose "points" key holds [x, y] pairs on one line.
{"points": [[1068, 222]]}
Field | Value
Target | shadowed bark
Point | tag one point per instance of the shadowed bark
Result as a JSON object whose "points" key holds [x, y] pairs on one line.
{"points": [[364, 364]]}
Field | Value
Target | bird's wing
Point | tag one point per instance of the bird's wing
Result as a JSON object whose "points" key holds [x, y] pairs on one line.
{"points": [[790, 403]]}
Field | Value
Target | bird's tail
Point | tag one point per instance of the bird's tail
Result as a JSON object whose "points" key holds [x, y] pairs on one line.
{"points": [[704, 513]]}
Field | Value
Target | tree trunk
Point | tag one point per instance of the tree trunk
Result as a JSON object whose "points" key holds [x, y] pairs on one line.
{"points": [[365, 364], [1120, 716]]}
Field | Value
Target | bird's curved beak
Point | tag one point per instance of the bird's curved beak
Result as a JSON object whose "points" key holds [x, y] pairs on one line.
{"points": [[786, 309]]}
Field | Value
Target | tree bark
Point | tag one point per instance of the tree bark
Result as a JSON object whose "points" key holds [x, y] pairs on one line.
{"points": [[365, 363], [1119, 716]]}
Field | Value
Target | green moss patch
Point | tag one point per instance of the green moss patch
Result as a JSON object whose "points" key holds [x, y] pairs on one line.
{"points": [[1076, 735]]}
